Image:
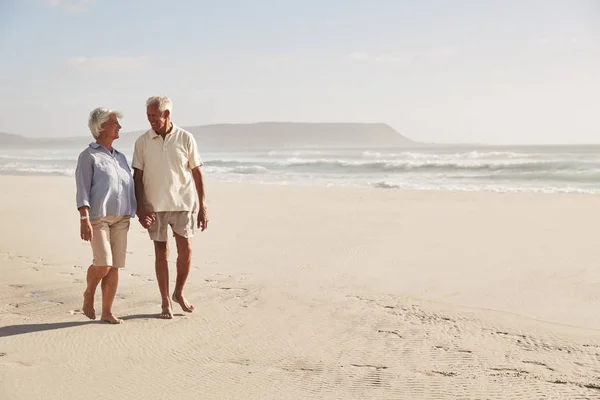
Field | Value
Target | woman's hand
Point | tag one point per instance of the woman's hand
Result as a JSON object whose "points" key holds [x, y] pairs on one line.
{"points": [[146, 218], [86, 230]]}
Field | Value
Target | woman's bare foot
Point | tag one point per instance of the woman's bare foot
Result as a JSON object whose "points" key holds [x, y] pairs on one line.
{"points": [[111, 318], [88, 305], [178, 298], [167, 312]]}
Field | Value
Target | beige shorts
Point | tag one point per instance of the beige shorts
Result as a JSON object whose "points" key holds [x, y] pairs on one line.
{"points": [[109, 240], [182, 223]]}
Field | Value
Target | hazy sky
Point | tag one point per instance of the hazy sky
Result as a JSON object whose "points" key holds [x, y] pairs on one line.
{"points": [[445, 71]]}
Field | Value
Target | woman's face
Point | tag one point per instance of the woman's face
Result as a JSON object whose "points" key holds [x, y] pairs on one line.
{"points": [[111, 128]]}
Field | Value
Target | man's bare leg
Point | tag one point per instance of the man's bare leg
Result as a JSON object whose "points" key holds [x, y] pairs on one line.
{"points": [[94, 276], [161, 251], [109, 290], [184, 264]]}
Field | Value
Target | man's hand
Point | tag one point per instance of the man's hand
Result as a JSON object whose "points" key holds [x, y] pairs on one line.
{"points": [[199, 182], [202, 219], [146, 219], [85, 230]]}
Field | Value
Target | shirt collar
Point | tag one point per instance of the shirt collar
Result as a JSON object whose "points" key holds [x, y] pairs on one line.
{"points": [[96, 146], [156, 135]]}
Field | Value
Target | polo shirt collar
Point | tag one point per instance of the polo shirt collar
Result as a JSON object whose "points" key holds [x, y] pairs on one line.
{"points": [[156, 135]]}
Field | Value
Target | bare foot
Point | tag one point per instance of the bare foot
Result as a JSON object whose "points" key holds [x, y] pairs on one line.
{"points": [[88, 305], [178, 298], [111, 318], [167, 312]]}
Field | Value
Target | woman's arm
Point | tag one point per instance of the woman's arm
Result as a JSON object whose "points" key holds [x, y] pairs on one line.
{"points": [[83, 179]]}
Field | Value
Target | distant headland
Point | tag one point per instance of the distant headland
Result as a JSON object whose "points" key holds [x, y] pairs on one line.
{"points": [[260, 135]]}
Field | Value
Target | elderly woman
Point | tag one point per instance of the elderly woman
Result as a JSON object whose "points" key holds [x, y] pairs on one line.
{"points": [[106, 202]]}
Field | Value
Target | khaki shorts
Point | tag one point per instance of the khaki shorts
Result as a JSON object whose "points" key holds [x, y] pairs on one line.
{"points": [[109, 240], [182, 223]]}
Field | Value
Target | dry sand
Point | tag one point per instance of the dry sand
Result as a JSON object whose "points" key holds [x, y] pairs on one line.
{"points": [[313, 293]]}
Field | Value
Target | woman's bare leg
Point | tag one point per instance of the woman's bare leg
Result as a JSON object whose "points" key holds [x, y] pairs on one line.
{"points": [[94, 275]]}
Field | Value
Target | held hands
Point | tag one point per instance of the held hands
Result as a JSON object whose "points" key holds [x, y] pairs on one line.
{"points": [[202, 218], [85, 230], [146, 218]]}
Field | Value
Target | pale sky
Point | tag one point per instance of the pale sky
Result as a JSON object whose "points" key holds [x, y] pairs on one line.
{"points": [[435, 70]]}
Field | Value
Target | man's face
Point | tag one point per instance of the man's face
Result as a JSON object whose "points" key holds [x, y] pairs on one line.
{"points": [[158, 121]]}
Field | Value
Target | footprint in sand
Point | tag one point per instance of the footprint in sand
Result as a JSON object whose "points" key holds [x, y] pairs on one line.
{"points": [[17, 286], [376, 367], [390, 332], [540, 364], [501, 371], [34, 294], [25, 364], [444, 373], [232, 288]]}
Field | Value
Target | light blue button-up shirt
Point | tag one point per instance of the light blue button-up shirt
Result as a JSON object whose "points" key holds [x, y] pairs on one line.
{"points": [[104, 183]]}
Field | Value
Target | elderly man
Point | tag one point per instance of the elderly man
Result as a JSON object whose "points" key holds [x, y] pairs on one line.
{"points": [[170, 192]]}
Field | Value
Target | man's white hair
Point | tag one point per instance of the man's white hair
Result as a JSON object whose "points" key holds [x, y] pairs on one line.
{"points": [[99, 116], [164, 103]]}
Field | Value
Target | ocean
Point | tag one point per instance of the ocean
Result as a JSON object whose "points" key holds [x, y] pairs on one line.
{"points": [[545, 169]]}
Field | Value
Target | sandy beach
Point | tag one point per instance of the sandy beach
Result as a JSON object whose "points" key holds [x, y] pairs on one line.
{"points": [[312, 293]]}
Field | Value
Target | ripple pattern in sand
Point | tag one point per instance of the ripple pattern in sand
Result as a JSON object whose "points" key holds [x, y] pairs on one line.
{"points": [[249, 341]]}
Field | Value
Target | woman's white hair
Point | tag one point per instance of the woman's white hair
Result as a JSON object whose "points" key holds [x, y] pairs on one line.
{"points": [[163, 102], [99, 116]]}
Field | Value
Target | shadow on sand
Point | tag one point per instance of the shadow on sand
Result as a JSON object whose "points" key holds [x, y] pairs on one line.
{"points": [[12, 330], [147, 316]]}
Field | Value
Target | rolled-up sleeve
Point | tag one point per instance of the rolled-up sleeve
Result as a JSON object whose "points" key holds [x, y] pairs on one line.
{"points": [[138, 154], [194, 159], [83, 179]]}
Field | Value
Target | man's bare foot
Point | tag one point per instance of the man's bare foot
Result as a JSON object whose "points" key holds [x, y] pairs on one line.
{"points": [[88, 305], [178, 298], [111, 318], [167, 312]]}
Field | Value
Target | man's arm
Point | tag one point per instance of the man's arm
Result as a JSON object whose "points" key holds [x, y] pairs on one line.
{"points": [[145, 218], [199, 182]]}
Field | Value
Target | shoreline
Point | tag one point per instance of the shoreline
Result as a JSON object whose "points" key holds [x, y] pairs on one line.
{"points": [[375, 186]]}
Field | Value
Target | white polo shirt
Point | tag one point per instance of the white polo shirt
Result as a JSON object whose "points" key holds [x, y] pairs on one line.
{"points": [[167, 165]]}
